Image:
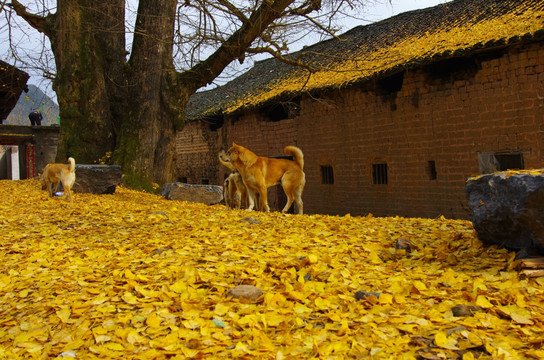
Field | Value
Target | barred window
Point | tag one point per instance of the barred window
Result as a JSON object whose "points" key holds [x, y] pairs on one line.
{"points": [[327, 175], [379, 174]]}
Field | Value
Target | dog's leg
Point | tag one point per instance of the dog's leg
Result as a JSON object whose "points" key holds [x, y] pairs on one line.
{"points": [[243, 198], [299, 204], [48, 187], [290, 198], [226, 193], [257, 201], [264, 198], [294, 194], [298, 199], [251, 199], [237, 200], [54, 189], [288, 204], [67, 193], [232, 195]]}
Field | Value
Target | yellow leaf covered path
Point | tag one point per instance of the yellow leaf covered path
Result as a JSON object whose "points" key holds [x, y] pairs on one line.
{"points": [[134, 276]]}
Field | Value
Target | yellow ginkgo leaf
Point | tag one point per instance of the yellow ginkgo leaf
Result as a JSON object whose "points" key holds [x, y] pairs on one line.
{"points": [[517, 314], [134, 338], [153, 320], [64, 314], [129, 298], [442, 340], [114, 346], [220, 309], [482, 301]]}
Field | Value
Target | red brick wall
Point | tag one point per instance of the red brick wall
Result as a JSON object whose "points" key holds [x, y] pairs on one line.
{"points": [[490, 104]]}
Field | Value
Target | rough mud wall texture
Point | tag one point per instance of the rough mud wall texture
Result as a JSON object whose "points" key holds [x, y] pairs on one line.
{"points": [[403, 145]]}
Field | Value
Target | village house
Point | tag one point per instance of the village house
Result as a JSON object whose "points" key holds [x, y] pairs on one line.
{"points": [[24, 150], [392, 117]]}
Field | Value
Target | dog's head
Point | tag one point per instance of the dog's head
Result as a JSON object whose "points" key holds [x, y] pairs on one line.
{"points": [[235, 152], [224, 159], [237, 155], [42, 181], [232, 154], [223, 156]]}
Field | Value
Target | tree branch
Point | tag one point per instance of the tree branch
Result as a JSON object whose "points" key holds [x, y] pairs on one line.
{"points": [[37, 22], [236, 45], [306, 8], [294, 62], [234, 10], [3, 4]]}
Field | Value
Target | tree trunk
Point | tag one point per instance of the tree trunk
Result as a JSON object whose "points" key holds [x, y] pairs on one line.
{"points": [[88, 41], [113, 110], [156, 104], [122, 112]]}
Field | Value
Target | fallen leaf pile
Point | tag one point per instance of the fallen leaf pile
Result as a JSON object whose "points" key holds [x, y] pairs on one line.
{"points": [[135, 276], [509, 173]]}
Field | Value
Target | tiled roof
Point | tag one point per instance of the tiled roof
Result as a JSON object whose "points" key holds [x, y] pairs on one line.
{"points": [[12, 83], [405, 41]]}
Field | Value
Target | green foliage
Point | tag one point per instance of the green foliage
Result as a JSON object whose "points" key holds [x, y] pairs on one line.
{"points": [[137, 180]]}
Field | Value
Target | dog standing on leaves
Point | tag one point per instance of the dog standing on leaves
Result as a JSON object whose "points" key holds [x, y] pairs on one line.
{"points": [[56, 173], [234, 190], [259, 173]]}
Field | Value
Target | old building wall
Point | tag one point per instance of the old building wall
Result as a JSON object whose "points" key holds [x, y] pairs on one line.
{"points": [[37, 146], [425, 130], [429, 133], [196, 154]]}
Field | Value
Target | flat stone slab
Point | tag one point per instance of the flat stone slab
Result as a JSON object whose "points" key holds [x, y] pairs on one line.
{"points": [[97, 179], [248, 292], [206, 194], [507, 209]]}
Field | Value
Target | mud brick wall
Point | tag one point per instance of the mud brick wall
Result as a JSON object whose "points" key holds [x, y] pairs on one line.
{"points": [[428, 125], [196, 154]]}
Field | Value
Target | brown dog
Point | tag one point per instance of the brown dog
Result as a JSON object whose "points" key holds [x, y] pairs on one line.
{"points": [[234, 189], [235, 192], [56, 173], [259, 173]]}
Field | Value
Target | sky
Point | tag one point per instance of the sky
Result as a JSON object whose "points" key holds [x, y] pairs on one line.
{"points": [[385, 9], [376, 10]]}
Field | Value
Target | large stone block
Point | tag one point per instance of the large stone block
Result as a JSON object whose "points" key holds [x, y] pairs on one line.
{"points": [[206, 194], [507, 209], [97, 179]]}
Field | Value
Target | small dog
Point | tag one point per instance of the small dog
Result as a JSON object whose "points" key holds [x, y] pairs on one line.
{"points": [[234, 189], [235, 192], [57, 173], [259, 173]]}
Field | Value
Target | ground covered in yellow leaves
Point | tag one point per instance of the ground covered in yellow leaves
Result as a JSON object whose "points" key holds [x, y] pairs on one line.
{"points": [[134, 276]]}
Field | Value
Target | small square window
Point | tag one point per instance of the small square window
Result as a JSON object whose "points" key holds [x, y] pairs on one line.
{"points": [[431, 170], [490, 162], [379, 174], [510, 161], [327, 175]]}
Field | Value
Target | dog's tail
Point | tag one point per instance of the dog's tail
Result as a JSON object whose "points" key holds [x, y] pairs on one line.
{"points": [[296, 153], [72, 164]]}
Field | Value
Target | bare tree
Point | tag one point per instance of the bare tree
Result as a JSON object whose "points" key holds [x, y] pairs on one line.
{"points": [[130, 103]]}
